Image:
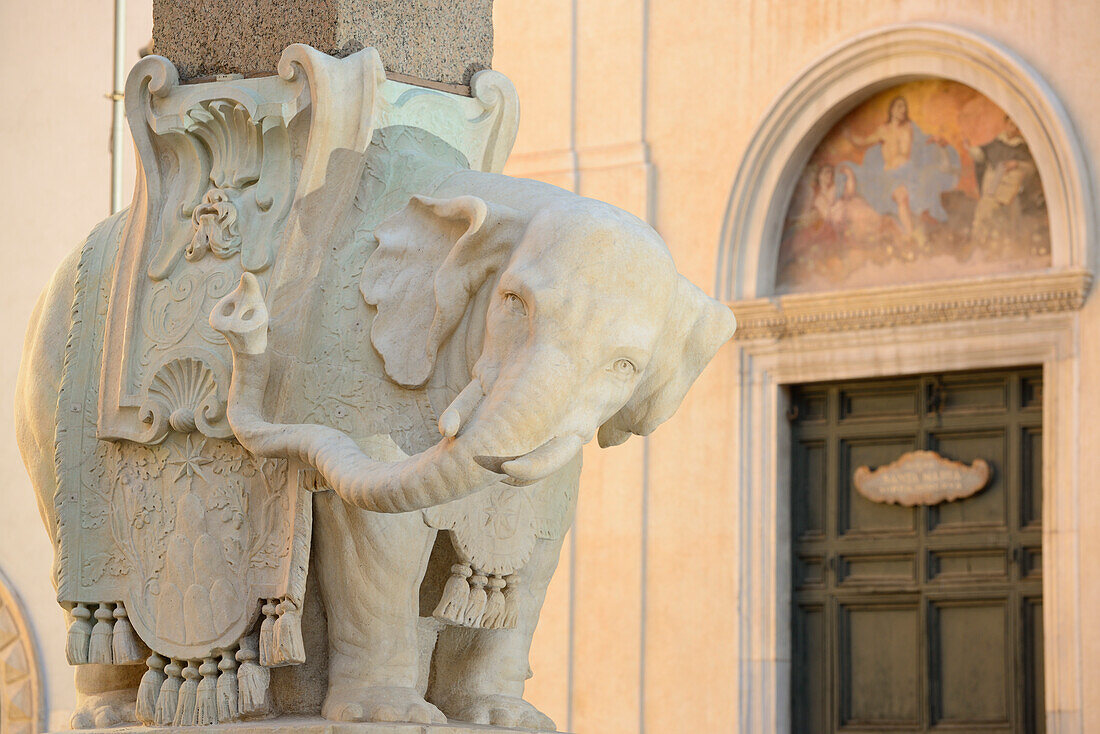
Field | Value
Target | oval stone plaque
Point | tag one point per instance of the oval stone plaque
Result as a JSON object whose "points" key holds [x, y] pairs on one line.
{"points": [[921, 478]]}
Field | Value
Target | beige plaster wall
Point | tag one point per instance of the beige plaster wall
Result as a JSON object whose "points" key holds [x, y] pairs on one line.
{"points": [[55, 73], [684, 85]]}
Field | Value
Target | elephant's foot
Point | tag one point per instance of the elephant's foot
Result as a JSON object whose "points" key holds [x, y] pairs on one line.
{"points": [[498, 710], [380, 703], [102, 710]]}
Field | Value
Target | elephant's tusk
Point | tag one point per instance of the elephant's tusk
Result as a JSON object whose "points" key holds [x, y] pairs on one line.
{"points": [[460, 409], [544, 460]]}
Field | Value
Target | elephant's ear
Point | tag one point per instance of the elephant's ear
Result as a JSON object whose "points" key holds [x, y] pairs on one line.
{"points": [[697, 326], [432, 257]]}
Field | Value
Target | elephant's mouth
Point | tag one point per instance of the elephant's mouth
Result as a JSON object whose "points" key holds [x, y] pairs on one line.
{"points": [[519, 471]]}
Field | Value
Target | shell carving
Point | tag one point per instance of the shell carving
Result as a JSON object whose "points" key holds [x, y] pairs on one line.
{"points": [[183, 395]]}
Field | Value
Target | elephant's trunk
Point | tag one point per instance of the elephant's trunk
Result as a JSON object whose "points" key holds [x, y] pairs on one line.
{"points": [[442, 473]]}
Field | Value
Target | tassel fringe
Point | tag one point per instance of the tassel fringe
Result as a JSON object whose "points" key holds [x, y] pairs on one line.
{"points": [[288, 647], [76, 643], [226, 689], [99, 646], [167, 700], [494, 606], [206, 701], [185, 709], [475, 607], [472, 598], [252, 681], [267, 635], [125, 647], [511, 603], [149, 689], [456, 595]]}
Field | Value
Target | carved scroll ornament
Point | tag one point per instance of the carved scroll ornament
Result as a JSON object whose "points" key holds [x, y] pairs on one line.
{"points": [[921, 478]]}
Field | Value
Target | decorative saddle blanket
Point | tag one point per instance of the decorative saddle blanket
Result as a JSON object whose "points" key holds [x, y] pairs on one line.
{"points": [[184, 540]]}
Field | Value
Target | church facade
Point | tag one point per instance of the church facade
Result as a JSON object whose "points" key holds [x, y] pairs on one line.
{"points": [[898, 204]]}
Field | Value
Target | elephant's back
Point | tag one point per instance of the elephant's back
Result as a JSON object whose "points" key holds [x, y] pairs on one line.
{"points": [[44, 351]]}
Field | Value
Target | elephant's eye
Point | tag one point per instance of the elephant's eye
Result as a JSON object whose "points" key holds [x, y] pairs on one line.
{"points": [[514, 303], [623, 367]]}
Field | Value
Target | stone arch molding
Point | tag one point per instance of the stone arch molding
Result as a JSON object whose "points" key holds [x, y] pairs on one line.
{"points": [[845, 76], [21, 693]]}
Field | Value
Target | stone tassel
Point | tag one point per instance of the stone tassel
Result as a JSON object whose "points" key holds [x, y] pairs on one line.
{"points": [[125, 647], [456, 594], [149, 689], [206, 699], [227, 688], [189, 689], [267, 635], [289, 648], [494, 606], [511, 603], [99, 646], [76, 644], [165, 712], [252, 680], [475, 607]]}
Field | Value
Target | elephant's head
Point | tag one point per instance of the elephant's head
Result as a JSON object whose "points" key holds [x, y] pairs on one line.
{"points": [[587, 330], [588, 326]]}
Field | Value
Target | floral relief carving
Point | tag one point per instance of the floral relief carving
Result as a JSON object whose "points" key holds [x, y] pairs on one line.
{"points": [[125, 492]]}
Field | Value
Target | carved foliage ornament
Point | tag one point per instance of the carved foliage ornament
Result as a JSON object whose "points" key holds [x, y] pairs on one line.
{"points": [[921, 478]]}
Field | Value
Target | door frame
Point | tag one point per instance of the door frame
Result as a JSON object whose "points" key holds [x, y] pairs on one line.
{"points": [[762, 454]]}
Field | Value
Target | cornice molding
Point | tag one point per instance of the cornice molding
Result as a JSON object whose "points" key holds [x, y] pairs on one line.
{"points": [[871, 308]]}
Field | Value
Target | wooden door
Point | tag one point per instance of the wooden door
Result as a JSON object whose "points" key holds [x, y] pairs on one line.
{"points": [[917, 619]]}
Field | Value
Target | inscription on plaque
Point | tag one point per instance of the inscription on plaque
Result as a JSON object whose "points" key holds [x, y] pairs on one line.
{"points": [[921, 478]]}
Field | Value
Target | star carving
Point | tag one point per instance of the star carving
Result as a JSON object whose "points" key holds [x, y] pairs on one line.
{"points": [[189, 460], [501, 516]]}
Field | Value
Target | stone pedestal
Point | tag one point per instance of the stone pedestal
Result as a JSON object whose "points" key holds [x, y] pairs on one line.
{"points": [[443, 41], [312, 725]]}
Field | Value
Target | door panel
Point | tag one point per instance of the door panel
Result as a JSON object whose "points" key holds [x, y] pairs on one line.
{"points": [[810, 689], [1031, 444], [970, 667], [880, 664], [917, 619]]}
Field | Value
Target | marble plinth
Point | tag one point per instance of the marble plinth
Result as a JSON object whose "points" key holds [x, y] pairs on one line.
{"points": [[310, 725]]}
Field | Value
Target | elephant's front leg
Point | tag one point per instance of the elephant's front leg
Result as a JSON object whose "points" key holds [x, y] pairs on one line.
{"points": [[105, 695], [479, 674], [370, 567]]}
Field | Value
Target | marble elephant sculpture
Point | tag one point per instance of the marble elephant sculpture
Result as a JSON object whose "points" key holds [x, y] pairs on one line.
{"points": [[536, 319], [564, 318]]}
